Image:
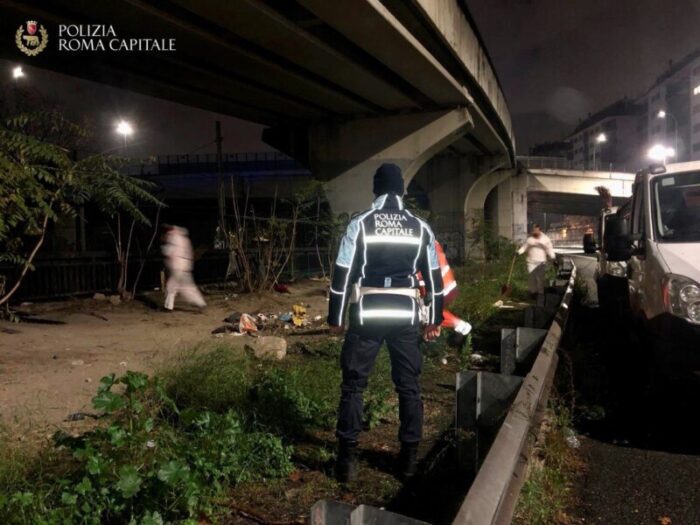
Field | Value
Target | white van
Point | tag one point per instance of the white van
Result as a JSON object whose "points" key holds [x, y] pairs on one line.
{"points": [[663, 253]]}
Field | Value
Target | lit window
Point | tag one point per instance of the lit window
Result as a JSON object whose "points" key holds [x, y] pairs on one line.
{"points": [[696, 91]]}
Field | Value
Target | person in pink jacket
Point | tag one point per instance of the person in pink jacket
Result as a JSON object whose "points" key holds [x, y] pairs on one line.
{"points": [[179, 259]]}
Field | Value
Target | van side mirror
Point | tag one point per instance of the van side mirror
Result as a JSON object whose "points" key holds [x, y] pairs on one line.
{"points": [[617, 243]]}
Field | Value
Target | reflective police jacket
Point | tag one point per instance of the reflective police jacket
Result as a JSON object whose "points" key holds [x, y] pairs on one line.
{"points": [[380, 254]]}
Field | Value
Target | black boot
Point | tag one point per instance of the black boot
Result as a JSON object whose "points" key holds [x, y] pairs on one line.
{"points": [[346, 465], [408, 460]]}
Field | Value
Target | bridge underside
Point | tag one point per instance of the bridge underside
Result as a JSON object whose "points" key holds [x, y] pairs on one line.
{"points": [[342, 85], [566, 203]]}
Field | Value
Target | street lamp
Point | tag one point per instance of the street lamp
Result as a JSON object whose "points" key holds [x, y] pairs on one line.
{"points": [[659, 153], [600, 139], [662, 114], [17, 72], [125, 130]]}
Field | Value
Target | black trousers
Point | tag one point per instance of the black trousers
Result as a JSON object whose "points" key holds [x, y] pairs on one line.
{"points": [[357, 360]]}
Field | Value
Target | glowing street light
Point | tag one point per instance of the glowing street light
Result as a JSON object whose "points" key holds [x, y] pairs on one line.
{"points": [[125, 130], [17, 72], [600, 139], [659, 153], [662, 114]]}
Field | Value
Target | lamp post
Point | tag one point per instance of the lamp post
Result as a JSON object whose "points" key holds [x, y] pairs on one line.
{"points": [[125, 130], [600, 139], [660, 153], [662, 114]]}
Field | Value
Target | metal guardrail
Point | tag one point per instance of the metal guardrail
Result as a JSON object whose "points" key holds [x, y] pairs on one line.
{"points": [[492, 498]]}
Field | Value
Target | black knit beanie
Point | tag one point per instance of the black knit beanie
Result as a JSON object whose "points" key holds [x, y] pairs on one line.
{"points": [[388, 179]]}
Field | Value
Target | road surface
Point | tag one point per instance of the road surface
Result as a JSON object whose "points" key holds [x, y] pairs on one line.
{"points": [[642, 468]]}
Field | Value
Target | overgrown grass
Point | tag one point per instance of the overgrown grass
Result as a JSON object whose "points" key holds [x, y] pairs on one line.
{"points": [[306, 389], [480, 287], [168, 448], [547, 492]]}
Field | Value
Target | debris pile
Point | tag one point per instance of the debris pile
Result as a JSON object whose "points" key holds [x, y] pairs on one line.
{"points": [[239, 323]]}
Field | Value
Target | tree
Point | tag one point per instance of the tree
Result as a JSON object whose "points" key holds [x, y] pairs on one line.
{"points": [[42, 181]]}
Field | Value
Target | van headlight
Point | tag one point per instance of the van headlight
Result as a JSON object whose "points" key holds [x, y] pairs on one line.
{"points": [[682, 297], [617, 268]]}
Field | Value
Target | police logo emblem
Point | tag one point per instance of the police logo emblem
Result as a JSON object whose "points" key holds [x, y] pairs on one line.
{"points": [[31, 38]]}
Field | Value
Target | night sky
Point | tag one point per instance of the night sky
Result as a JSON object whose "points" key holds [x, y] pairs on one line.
{"points": [[161, 127], [559, 59]]}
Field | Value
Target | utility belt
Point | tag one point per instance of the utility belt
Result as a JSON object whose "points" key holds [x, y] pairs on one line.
{"points": [[358, 292]]}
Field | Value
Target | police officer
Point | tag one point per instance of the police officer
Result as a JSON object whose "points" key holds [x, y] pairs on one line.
{"points": [[375, 276]]}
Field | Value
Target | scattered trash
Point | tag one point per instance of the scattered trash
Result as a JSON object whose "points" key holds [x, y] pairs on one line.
{"points": [[269, 347], [443, 360], [223, 329], [115, 300], [286, 317], [262, 318], [79, 416], [150, 444], [299, 315], [498, 304], [477, 358], [233, 318], [99, 297], [123, 363], [573, 441], [246, 324], [281, 288], [77, 362], [318, 318]]}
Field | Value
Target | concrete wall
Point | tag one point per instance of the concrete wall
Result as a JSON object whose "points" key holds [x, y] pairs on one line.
{"points": [[446, 180]]}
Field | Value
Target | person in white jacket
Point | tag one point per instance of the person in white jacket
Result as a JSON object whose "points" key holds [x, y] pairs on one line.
{"points": [[179, 259], [538, 248]]}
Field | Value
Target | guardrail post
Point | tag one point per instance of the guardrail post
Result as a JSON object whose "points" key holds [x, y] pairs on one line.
{"points": [[508, 345], [329, 512], [517, 344], [482, 401], [368, 515]]}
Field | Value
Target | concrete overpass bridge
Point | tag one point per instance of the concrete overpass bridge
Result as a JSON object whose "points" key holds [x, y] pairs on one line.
{"points": [[508, 195], [342, 85]]}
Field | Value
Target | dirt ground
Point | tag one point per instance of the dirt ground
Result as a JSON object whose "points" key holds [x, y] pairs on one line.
{"points": [[51, 366]]}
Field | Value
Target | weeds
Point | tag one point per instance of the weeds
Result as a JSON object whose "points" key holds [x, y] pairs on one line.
{"points": [[546, 494], [150, 463], [480, 287]]}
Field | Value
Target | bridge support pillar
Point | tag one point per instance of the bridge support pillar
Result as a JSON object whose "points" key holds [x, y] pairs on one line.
{"points": [[347, 155], [475, 203], [511, 220]]}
